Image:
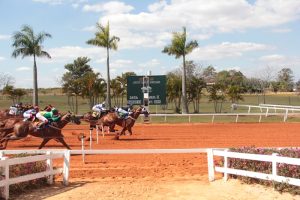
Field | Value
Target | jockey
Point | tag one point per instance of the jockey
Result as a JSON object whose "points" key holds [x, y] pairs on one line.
{"points": [[16, 109], [122, 113], [99, 107], [46, 117], [30, 114], [128, 108]]}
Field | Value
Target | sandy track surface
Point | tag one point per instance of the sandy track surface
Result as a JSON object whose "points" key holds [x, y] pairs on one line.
{"points": [[163, 176]]}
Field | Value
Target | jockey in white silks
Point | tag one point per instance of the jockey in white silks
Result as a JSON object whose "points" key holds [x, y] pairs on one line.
{"points": [[122, 113], [31, 114], [99, 108]]}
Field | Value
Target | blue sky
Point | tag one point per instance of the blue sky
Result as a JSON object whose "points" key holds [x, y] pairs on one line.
{"points": [[249, 36]]}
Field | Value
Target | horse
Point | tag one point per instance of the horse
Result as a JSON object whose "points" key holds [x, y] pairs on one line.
{"points": [[112, 118], [92, 119], [24, 128]]}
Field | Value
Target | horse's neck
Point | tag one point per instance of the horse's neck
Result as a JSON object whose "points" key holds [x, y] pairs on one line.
{"points": [[63, 123], [136, 115]]}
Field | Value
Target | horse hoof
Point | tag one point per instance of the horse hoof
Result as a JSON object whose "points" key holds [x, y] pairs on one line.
{"points": [[117, 137]]}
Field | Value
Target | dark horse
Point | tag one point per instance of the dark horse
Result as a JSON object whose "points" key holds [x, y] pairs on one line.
{"points": [[24, 128], [112, 118]]}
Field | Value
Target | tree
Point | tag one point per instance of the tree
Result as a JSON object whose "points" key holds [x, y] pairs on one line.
{"points": [[209, 74], [180, 48], [217, 95], [174, 88], [93, 87], [266, 75], [285, 78], [103, 39], [15, 94], [72, 80], [27, 43], [6, 79], [122, 83]]}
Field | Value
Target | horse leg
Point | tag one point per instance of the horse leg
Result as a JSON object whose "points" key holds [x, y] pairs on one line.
{"points": [[102, 129], [130, 131], [5, 140], [61, 139], [45, 140]]}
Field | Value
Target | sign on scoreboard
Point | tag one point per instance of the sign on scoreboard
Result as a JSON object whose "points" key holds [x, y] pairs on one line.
{"points": [[157, 90]]}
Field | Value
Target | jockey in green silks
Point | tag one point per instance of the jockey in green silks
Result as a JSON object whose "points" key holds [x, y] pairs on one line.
{"points": [[46, 117]]}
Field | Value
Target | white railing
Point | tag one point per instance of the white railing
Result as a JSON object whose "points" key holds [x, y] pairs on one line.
{"points": [[214, 115], [274, 159], [279, 106], [6, 162]]}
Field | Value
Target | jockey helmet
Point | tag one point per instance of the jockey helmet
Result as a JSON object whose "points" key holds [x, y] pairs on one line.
{"points": [[36, 108]]}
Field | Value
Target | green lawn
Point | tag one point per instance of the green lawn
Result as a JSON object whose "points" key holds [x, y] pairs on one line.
{"points": [[61, 102]]}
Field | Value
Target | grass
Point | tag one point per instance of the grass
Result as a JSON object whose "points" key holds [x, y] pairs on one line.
{"points": [[60, 101]]}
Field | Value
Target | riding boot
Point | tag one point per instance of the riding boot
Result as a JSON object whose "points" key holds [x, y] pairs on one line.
{"points": [[40, 125]]}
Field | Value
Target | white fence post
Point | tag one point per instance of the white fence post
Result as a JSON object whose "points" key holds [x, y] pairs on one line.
{"points": [[286, 115], [249, 109], [50, 167], [6, 173], [165, 118], [267, 112], [213, 118], [237, 118], [189, 118], [82, 149], [259, 119], [66, 168], [97, 133], [225, 178], [274, 166], [91, 130], [210, 161]]}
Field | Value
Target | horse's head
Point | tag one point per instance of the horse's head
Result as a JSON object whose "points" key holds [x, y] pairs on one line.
{"points": [[87, 117], [70, 117], [143, 110]]}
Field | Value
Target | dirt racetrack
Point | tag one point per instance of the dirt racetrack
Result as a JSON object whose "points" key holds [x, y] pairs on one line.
{"points": [[136, 171]]}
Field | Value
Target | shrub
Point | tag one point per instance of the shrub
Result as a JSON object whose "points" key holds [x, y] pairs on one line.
{"points": [[25, 169], [286, 170]]}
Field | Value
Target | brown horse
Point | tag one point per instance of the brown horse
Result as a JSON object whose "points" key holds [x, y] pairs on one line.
{"points": [[23, 128], [112, 118], [88, 117]]}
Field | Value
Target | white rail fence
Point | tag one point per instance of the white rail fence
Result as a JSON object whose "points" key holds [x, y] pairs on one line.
{"points": [[6, 163], [66, 154], [274, 159], [214, 115]]}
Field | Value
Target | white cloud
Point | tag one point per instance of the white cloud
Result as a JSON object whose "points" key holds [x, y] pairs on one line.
{"points": [[52, 2], [226, 50], [117, 64], [157, 6], [111, 7], [89, 29], [150, 64], [2, 58], [23, 69], [201, 17], [4, 37], [74, 3], [280, 60], [69, 53], [281, 30]]}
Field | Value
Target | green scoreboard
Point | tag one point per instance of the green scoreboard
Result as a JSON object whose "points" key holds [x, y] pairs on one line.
{"points": [[157, 90]]}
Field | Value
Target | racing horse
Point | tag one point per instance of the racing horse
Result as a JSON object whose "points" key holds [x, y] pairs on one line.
{"points": [[112, 118], [24, 128]]}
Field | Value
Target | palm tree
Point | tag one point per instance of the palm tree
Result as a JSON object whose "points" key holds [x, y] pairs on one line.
{"points": [[103, 39], [26, 43], [180, 47]]}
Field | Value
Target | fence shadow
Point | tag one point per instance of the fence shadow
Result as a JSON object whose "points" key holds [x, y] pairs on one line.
{"points": [[47, 191]]}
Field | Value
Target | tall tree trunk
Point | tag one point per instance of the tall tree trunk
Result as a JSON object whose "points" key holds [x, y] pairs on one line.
{"points": [[35, 100], [76, 104], [185, 108], [108, 100]]}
